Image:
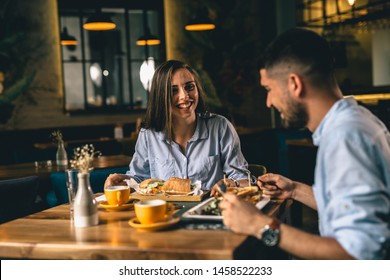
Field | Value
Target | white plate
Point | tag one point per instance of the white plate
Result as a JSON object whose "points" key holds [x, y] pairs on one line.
{"points": [[194, 212], [196, 191]]}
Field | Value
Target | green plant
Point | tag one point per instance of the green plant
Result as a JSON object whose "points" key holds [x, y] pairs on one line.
{"points": [[16, 78]]}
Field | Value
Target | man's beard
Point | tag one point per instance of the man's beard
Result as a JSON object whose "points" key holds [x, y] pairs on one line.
{"points": [[295, 116]]}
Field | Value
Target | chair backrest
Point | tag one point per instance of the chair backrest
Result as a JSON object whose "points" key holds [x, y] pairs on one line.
{"points": [[257, 169], [17, 197]]}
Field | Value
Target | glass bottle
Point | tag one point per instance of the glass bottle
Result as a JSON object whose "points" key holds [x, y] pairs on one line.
{"points": [[61, 156], [118, 132], [85, 205]]}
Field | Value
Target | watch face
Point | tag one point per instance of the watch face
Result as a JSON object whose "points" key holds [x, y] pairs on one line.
{"points": [[270, 237]]}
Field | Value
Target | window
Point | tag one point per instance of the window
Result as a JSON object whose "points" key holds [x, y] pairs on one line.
{"points": [[102, 72]]}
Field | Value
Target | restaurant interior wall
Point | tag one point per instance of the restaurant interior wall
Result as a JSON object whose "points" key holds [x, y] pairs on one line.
{"points": [[228, 64], [43, 105], [229, 73], [359, 34]]}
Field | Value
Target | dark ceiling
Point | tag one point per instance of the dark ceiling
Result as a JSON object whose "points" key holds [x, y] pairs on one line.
{"points": [[131, 4]]}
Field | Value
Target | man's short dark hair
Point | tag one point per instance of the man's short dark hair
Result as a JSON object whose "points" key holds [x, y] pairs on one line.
{"points": [[303, 48]]}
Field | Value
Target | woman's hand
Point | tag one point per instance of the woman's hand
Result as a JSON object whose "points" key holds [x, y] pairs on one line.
{"points": [[276, 186], [229, 183], [116, 180]]}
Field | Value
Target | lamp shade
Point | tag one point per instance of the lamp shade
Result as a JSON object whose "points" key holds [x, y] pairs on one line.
{"points": [[66, 39], [200, 22], [148, 39], [99, 22]]}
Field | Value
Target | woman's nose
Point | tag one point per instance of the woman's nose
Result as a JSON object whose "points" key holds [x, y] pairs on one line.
{"points": [[183, 94]]}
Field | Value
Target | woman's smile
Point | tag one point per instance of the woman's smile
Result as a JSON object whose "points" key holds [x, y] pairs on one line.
{"points": [[185, 105]]}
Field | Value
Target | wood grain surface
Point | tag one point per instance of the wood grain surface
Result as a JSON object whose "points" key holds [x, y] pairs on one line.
{"points": [[50, 234]]}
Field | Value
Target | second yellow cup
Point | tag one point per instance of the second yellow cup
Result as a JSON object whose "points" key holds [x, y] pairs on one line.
{"points": [[153, 211], [117, 195]]}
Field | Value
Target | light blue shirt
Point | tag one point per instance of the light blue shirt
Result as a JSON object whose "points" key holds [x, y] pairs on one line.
{"points": [[213, 147], [352, 179]]}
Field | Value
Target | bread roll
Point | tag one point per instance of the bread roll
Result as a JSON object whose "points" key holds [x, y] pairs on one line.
{"points": [[177, 186]]}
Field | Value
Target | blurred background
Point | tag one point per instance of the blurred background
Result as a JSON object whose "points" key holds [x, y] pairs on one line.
{"points": [[57, 72]]}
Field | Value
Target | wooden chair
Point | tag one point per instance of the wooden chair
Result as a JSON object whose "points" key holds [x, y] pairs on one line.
{"points": [[17, 197], [257, 169]]}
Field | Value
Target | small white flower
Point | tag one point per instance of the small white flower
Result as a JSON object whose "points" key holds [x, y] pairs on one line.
{"points": [[56, 136], [83, 157]]}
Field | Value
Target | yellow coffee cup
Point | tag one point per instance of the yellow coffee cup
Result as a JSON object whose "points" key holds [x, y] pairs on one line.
{"points": [[117, 195], [153, 211]]}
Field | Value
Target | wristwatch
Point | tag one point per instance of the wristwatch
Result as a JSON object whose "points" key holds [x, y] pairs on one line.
{"points": [[270, 234]]}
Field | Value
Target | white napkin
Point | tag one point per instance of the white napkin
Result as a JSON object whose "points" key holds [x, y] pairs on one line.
{"points": [[100, 198]]}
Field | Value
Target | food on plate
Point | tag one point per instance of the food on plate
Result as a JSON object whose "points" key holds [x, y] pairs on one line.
{"points": [[177, 186], [173, 186], [151, 186], [212, 208], [243, 191], [251, 194]]}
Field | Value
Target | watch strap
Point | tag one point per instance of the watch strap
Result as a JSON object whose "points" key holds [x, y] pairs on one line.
{"points": [[275, 224]]}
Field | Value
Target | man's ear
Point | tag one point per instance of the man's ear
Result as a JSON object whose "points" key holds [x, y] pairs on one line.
{"points": [[295, 85]]}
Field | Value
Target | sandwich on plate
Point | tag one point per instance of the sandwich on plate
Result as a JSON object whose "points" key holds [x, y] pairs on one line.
{"points": [[173, 186]]}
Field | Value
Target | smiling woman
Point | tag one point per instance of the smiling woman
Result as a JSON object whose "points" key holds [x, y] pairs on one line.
{"points": [[179, 138]]}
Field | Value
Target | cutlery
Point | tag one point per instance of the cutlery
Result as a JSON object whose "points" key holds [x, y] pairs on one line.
{"points": [[251, 179], [249, 175], [222, 188]]}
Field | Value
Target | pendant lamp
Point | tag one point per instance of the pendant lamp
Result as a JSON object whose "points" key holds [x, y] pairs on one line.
{"points": [[147, 39], [200, 22], [99, 22], [66, 39]]}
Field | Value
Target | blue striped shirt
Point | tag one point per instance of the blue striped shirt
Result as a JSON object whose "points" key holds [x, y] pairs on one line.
{"points": [[352, 179], [213, 147]]}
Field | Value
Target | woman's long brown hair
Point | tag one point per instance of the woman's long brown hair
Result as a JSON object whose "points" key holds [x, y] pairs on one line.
{"points": [[159, 113]]}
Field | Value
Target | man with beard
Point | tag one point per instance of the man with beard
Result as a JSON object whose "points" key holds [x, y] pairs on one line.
{"points": [[351, 190]]}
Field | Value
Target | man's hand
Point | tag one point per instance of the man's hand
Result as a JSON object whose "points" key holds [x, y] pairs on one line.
{"points": [[241, 216], [276, 186]]}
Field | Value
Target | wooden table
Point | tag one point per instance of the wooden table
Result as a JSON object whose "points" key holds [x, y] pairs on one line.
{"points": [[50, 234], [28, 169]]}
